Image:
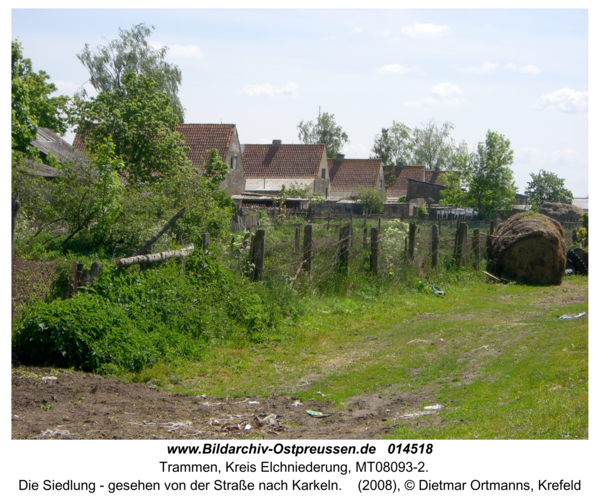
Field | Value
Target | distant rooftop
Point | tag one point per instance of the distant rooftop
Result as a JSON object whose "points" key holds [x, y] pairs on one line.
{"points": [[581, 202]]}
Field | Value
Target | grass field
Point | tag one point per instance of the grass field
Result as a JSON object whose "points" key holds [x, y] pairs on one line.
{"points": [[497, 358]]}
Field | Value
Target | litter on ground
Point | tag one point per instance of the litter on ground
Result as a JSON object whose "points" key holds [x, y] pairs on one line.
{"points": [[314, 413], [576, 317]]}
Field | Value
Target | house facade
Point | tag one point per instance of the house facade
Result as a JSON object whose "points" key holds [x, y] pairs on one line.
{"points": [[270, 166], [347, 175]]}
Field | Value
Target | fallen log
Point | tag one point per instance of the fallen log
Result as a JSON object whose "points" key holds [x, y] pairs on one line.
{"points": [[147, 246], [155, 257]]}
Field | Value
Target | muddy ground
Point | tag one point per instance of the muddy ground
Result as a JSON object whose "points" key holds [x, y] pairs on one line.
{"points": [[54, 404]]}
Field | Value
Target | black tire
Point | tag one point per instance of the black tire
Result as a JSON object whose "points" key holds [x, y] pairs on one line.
{"points": [[577, 258]]}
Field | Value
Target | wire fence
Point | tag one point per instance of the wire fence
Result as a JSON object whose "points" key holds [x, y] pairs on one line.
{"points": [[31, 280], [285, 254]]}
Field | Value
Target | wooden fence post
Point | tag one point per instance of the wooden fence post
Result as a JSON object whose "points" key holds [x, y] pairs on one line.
{"points": [[379, 224], [205, 241], [412, 234], [77, 274], [374, 262], [343, 251], [365, 237], [258, 258], [308, 257], [476, 247], [434, 245], [350, 242], [297, 239], [460, 242], [492, 227]]}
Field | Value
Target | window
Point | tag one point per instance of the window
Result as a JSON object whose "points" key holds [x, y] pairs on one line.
{"points": [[323, 173], [380, 184], [233, 162]]}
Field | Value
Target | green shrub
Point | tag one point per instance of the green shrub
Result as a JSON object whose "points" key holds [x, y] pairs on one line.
{"points": [[130, 319]]}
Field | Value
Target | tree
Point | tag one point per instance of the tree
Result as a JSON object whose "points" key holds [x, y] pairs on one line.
{"points": [[547, 187], [324, 130], [216, 170], [131, 53], [371, 199], [483, 178], [432, 145], [86, 196], [32, 106], [137, 117], [393, 145]]}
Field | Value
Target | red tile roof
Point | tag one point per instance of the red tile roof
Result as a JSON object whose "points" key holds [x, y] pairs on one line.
{"points": [[285, 161], [202, 137], [402, 175], [432, 176], [78, 142], [198, 137], [349, 174]]}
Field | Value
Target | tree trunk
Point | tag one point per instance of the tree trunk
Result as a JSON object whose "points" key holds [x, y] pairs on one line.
{"points": [[148, 244], [155, 257]]}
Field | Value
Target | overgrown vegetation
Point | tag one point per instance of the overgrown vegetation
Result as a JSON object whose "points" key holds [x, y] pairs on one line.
{"points": [[129, 320]]}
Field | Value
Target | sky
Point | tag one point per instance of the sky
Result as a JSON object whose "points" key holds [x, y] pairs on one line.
{"points": [[520, 72]]}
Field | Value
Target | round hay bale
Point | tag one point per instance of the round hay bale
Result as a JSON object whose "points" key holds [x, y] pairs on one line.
{"points": [[528, 248], [561, 211]]}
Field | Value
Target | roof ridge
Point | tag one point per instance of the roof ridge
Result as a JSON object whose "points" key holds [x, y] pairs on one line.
{"points": [[205, 124]]}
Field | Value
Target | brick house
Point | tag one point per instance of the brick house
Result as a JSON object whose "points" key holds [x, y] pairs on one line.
{"points": [[412, 172], [269, 166], [347, 175]]}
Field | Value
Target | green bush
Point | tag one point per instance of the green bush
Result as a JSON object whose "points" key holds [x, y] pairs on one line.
{"points": [[129, 319]]}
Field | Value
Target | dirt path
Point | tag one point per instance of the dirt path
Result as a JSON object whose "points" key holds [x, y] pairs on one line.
{"points": [[54, 404]]}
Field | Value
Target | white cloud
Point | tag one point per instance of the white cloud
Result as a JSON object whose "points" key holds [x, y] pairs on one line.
{"points": [[564, 100], [290, 89], [385, 33], [444, 93], [180, 51], [527, 155], [487, 67], [357, 151], [425, 30], [185, 51], [395, 69], [445, 89], [357, 30], [510, 66], [530, 69]]}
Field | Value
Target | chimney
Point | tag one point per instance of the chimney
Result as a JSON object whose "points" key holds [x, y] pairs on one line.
{"points": [[340, 157], [277, 143]]}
